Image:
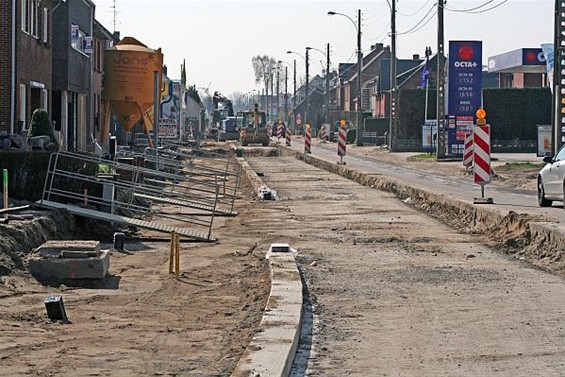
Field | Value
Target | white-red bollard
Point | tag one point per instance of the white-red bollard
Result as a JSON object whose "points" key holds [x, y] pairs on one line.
{"points": [[468, 151], [288, 136], [307, 140], [279, 130], [341, 143]]}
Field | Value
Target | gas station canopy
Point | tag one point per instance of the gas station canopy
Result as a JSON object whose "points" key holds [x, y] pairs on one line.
{"points": [[523, 60]]}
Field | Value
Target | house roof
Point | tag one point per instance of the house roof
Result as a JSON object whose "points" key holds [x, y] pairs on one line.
{"points": [[405, 69]]}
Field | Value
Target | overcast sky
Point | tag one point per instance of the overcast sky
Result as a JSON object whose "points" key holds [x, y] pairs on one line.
{"points": [[219, 38]]}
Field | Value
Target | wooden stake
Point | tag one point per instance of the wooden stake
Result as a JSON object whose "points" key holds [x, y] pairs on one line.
{"points": [[172, 253]]}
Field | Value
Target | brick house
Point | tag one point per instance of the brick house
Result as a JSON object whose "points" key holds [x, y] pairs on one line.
{"points": [[72, 79], [25, 56]]}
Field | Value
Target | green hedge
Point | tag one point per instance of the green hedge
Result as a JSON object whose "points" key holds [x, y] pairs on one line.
{"points": [[26, 173], [512, 113]]}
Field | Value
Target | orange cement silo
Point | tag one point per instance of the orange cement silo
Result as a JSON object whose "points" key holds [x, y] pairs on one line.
{"points": [[128, 91]]}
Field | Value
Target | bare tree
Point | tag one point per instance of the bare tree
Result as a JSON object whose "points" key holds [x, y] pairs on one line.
{"points": [[263, 68]]}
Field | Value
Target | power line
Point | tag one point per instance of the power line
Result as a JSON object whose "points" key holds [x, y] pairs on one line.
{"points": [[419, 25], [476, 10], [416, 12], [489, 9]]}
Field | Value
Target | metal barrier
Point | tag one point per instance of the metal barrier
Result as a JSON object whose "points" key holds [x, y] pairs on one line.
{"points": [[117, 191]]}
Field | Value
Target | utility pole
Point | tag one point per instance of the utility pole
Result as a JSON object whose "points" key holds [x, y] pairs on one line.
{"points": [[558, 123], [327, 118], [278, 91], [286, 96], [294, 87], [272, 91], [393, 83], [440, 98], [359, 81], [267, 95], [307, 90]]}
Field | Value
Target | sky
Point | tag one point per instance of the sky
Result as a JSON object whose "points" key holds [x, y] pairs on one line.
{"points": [[218, 39]]}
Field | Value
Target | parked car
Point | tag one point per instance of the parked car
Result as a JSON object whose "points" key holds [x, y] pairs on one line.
{"points": [[551, 179]]}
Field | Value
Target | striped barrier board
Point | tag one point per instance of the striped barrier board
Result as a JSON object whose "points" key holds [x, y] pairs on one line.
{"points": [[468, 151], [307, 140], [288, 136], [341, 142], [481, 154], [325, 131]]}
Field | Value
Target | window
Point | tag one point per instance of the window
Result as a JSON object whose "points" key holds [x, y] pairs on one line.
{"points": [[35, 18], [45, 25], [77, 38], [25, 16], [22, 103], [45, 99]]}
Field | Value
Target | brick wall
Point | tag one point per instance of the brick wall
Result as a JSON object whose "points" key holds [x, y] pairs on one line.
{"points": [[33, 61], [5, 58]]}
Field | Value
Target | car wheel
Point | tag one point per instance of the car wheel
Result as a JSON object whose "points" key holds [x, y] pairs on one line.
{"points": [[542, 201]]}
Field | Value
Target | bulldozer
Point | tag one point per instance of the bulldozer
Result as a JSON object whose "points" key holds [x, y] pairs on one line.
{"points": [[254, 128]]}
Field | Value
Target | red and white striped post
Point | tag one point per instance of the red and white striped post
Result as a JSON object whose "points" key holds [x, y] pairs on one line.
{"points": [[269, 131], [481, 155], [307, 139], [468, 151], [279, 130], [341, 143], [288, 136]]}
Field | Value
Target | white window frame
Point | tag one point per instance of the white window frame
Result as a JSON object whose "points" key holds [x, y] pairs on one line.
{"points": [[34, 18], [45, 99], [45, 25], [25, 16], [23, 106]]}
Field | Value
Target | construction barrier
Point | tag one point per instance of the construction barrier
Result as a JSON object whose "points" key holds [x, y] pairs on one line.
{"points": [[468, 151], [325, 131], [279, 130], [288, 137], [307, 139], [341, 143], [269, 131], [481, 155]]}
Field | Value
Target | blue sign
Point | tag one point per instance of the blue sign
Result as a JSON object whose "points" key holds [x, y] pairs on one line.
{"points": [[465, 77], [533, 56]]}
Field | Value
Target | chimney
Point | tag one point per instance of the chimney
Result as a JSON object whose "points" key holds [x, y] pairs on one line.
{"points": [[416, 57]]}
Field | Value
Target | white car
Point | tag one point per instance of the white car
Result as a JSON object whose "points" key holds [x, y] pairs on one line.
{"points": [[551, 180]]}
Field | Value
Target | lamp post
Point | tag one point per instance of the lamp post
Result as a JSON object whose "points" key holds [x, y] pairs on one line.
{"points": [[327, 79], [359, 69], [307, 79]]}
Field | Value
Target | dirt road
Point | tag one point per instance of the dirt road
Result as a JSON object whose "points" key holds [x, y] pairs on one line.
{"points": [[395, 293], [391, 292], [141, 321]]}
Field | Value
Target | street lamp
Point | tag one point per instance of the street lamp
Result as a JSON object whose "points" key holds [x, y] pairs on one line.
{"points": [[327, 79], [307, 81], [359, 68]]}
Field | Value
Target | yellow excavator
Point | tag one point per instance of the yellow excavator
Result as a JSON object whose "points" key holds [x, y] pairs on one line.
{"points": [[254, 128]]}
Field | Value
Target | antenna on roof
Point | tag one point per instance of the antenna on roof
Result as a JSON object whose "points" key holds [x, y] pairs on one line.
{"points": [[115, 13]]}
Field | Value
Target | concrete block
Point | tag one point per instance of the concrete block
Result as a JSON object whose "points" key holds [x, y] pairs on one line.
{"points": [[65, 267]]}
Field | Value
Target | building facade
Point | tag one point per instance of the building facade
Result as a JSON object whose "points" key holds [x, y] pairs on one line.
{"points": [[73, 26], [25, 52]]}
